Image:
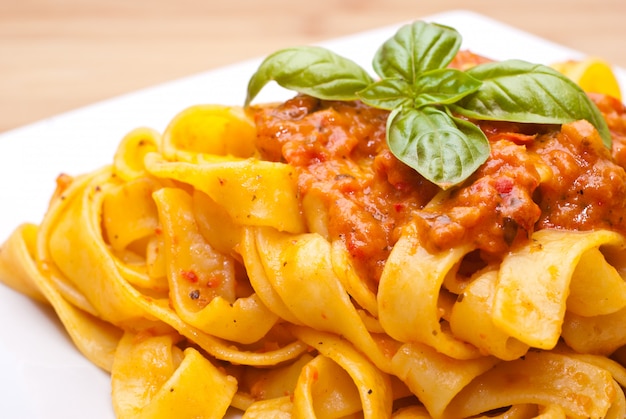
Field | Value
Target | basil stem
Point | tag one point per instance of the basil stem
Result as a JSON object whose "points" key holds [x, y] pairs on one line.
{"points": [[443, 87], [388, 94]]}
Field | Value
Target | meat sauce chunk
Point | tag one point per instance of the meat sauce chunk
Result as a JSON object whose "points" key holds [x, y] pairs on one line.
{"points": [[537, 176]]}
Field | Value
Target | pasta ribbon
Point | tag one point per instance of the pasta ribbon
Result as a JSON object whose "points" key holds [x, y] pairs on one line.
{"points": [[420, 366], [325, 390], [301, 271], [152, 378], [617, 371], [96, 339], [253, 192], [339, 382], [350, 280], [267, 384], [596, 288], [531, 306], [600, 335], [205, 278], [411, 412], [129, 213], [209, 130], [277, 408], [75, 245], [219, 348], [95, 281], [67, 187], [215, 225], [259, 278], [582, 390], [408, 296], [128, 161], [471, 319], [618, 408], [372, 385], [17, 267], [551, 411], [202, 280]]}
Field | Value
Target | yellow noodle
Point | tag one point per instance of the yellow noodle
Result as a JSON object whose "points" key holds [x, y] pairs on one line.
{"points": [[200, 277]]}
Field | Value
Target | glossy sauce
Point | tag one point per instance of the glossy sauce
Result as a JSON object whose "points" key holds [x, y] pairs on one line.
{"points": [[537, 176]]}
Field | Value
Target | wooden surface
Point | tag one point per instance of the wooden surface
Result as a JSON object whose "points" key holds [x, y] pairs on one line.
{"points": [[57, 55]]}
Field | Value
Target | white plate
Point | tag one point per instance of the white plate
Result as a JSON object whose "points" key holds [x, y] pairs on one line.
{"points": [[43, 375]]}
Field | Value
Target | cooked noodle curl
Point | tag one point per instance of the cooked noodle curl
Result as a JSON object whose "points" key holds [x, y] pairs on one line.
{"points": [[282, 263]]}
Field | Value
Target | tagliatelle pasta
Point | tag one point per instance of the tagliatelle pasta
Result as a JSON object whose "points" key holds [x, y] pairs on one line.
{"points": [[280, 262]]}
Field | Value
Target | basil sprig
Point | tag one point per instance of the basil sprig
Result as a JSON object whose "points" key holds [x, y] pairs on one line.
{"points": [[426, 97]]}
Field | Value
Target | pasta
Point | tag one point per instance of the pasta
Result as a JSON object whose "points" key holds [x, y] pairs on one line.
{"points": [[280, 262]]}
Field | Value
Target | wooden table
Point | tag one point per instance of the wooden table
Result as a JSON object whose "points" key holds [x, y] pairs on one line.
{"points": [[62, 54]]}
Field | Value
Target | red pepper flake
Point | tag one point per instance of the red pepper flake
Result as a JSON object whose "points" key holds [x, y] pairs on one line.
{"points": [[504, 185], [214, 282], [190, 276]]}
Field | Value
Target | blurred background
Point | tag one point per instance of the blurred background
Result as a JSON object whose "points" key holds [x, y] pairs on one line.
{"points": [[58, 55]]}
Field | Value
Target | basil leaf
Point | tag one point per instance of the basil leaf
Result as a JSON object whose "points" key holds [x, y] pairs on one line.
{"points": [[416, 48], [315, 71], [519, 91], [443, 149], [422, 94], [387, 94], [444, 86]]}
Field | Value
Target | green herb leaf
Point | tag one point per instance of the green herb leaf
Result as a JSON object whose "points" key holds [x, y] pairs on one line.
{"points": [[519, 91], [387, 94], [416, 48], [315, 71], [422, 93], [443, 149], [443, 86]]}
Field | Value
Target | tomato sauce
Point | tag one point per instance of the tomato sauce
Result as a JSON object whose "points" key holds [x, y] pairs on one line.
{"points": [[537, 176]]}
